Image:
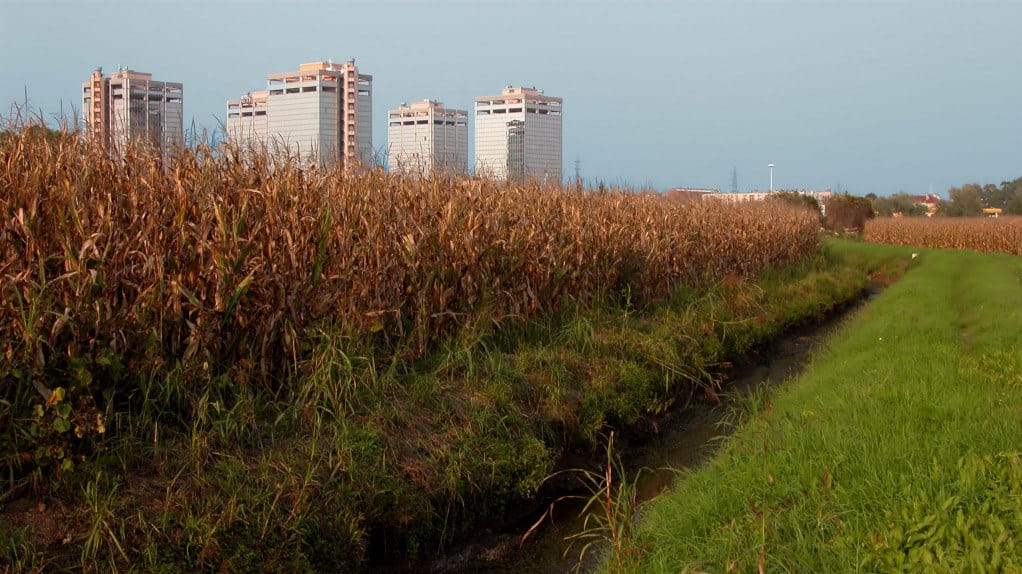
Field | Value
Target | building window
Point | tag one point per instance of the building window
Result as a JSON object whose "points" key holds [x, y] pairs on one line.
{"points": [[515, 149]]}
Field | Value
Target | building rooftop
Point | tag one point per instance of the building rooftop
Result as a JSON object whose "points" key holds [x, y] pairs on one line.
{"points": [[128, 73], [423, 109], [514, 95], [311, 70], [257, 99]]}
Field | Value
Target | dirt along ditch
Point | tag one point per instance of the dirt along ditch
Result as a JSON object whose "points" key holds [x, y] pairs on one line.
{"points": [[683, 438]]}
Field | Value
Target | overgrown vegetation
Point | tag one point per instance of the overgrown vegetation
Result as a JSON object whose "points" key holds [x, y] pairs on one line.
{"points": [[970, 199], [609, 510], [897, 205], [847, 213], [212, 362], [986, 234], [797, 199], [897, 450]]}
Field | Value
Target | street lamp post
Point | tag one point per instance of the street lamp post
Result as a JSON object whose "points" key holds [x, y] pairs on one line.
{"points": [[771, 166]]}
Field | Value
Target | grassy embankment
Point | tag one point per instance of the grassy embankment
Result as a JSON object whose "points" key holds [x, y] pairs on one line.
{"points": [[898, 450], [213, 364]]}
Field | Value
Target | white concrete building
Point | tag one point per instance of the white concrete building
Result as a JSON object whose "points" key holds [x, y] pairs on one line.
{"points": [[518, 135], [322, 113], [129, 107], [247, 122], [740, 197], [426, 136]]}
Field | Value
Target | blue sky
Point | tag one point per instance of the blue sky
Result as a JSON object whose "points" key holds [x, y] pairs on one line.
{"points": [[872, 96]]}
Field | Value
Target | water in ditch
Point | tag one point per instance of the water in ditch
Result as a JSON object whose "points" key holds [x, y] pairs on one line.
{"points": [[684, 439]]}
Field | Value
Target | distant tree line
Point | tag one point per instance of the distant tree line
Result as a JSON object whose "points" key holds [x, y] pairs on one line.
{"points": [[972, 198], [899, 203], [969, 200]]}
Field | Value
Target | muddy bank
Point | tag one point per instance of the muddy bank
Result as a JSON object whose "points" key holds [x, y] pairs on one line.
{"points": [[683, 438]]}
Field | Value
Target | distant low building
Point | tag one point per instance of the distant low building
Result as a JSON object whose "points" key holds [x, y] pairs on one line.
{"points": [[929, 201], [689, 193], [740, 197]]}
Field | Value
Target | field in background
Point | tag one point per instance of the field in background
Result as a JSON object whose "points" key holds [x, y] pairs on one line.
{"points": [[897, 451], [211, 363], [986, 234]]}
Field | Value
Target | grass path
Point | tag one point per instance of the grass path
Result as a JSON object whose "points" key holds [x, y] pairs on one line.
{"points": [[898, 450]]}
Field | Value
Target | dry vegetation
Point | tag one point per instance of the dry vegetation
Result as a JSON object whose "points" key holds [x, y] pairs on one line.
{"points": [[306, 343], [208, 258], [989, 234]]}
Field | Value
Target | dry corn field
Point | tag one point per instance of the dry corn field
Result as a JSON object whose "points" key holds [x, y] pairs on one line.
{"points": [[989, 234], [213, 258]]}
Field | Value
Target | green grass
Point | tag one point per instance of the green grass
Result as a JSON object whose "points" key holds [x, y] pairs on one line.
{"points": [[898, 449]]}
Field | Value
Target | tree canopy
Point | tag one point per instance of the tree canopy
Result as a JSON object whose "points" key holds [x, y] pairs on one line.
{"points": [[899, 203], [972, 198]]}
